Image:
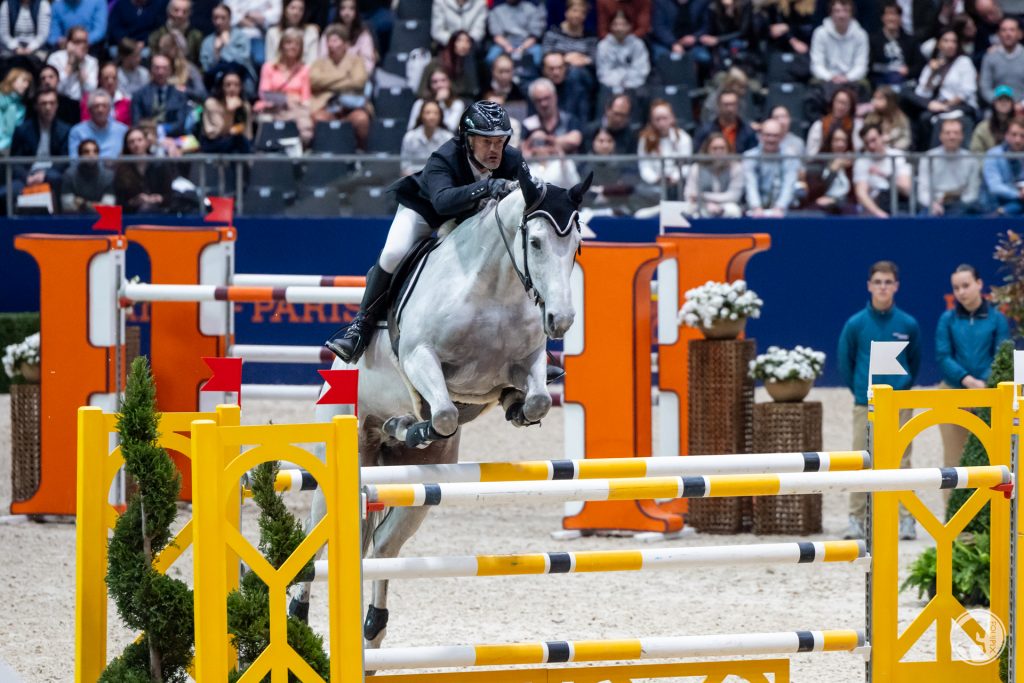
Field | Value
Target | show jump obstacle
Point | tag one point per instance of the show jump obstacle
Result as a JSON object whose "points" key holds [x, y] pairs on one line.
{"points": [[84, 291], [223, 453]]}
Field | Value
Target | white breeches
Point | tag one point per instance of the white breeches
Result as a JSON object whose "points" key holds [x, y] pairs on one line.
{"points": [[408, 228]]}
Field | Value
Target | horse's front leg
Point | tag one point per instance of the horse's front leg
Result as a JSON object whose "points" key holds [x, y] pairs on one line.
{"points": [[529, 408], [423, 368]]}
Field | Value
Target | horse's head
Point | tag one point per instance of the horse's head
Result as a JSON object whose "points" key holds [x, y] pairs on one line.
{"points": [[550, 241]]}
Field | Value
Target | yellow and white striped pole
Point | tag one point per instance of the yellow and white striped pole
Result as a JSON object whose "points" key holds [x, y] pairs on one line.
{"points": [[559, 651], [715, 486], [606, 561]]}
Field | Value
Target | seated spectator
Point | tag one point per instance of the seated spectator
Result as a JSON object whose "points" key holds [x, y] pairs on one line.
{"points": [[790, 25], [736, 80], [42, 136], [67, 108], [878, 172], [830, 181], [226, 44], [141, 186], [131, 75], [503, 83], [15, 85], [839, 50], [638, 12], [136, 19], [77, 68], [617, 120], [161, 101], [661, 138], [949, 177], [547, 162], [458, 60], [516, 27], [227, 117], [550, 123], [886, 112], [284, 86], [89, 14], [294, 17], [1004, 177], [108, 82], [948, 87], [769, 180], [448, 17], [842, 111], [570, 38], [574, 86], [439, 89], [101, 127], [189, 39], [24, 28], [338, 83], [727, 37], [792, 144], [359, 36], [992, 130], [714, 188], [423, 140], [87, 182], [253, 18], [1003, 64], [622, 60], [617, 188], [185, 75], [737, 132], [894, 54]]}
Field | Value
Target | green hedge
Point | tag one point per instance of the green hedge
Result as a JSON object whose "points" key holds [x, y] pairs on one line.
{"points": [[13, 328]]}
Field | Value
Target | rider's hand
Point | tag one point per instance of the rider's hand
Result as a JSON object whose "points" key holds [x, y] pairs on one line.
{"points": [[498, 187]]}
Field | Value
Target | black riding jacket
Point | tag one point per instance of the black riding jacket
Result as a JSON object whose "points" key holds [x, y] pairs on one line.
{"points": [[445, 188]]}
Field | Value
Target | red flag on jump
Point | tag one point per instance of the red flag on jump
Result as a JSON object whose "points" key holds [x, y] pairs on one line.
{"points": [[227, 375], [342, 387], [110, 218], [222, 210]]}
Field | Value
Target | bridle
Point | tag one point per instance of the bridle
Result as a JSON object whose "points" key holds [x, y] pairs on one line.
{"points": [[531, 212]]}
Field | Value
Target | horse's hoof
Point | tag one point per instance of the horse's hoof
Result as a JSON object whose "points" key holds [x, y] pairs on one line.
{"points": [[299, 610], [422, 434], [517, 416], [398, 427]]}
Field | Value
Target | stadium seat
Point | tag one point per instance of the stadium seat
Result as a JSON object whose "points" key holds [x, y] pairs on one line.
{"points": [[793, 96], [393, 103], [274, 135], [277, 174], [414, 9], [677, 70], [410, 34], [316, 201], [371, 201], [787, 67], [394, 63], [335, 137], [679, 98], [386, 136], [263, 201]]}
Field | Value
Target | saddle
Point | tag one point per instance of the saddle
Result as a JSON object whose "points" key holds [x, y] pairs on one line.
{"points": [[403, 282]]}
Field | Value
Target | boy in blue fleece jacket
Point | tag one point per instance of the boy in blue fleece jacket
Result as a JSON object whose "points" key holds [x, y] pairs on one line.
{"points": [[880, 320]]}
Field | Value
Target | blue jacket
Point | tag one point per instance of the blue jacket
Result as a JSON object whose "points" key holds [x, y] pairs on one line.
{"points": [[854, 353], [1001, 175], [966, 343], [92, 14]]}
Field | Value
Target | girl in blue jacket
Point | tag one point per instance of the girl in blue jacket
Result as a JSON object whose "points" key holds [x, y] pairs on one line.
{"points": [[965, 345]]}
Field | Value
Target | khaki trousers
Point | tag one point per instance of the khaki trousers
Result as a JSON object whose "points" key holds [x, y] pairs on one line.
{"points": [[954, 438], [859, 500]]}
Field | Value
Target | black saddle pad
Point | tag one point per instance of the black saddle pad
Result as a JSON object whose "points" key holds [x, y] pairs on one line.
{"points": [[403, 282]]}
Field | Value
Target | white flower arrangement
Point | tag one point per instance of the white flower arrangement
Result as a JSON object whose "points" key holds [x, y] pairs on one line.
{"points": [[719, 301], [779, 365], [25, 351]]}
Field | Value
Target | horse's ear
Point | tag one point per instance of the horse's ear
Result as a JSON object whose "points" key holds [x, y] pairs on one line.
{"points": [[578, 191], [530, 192]]}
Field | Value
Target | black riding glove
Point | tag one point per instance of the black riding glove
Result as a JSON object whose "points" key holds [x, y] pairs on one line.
{"points": [[498, 187]]}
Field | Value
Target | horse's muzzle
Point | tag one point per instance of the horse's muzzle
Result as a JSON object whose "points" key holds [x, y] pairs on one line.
{"points": [[557, 324]]}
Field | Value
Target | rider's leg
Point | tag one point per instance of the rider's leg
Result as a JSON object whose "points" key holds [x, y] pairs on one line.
{"points": [[407, 228]]}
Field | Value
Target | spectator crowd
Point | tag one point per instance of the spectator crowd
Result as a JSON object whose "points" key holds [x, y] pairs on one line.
{"points": [[734, 107]]}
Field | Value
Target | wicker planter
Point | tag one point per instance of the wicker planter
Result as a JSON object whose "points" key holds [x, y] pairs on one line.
{"points": [[781, 428], [25, 451], [30, 372], [724, 329], [790, 390]]}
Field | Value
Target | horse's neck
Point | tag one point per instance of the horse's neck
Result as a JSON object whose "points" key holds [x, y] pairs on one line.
{"points": [[482, 252]]}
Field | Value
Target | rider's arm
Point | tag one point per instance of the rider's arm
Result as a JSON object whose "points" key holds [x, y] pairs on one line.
{"points": [[447, 199]]}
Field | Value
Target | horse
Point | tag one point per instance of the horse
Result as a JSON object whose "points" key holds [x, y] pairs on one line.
{"points": [[473, 334]]}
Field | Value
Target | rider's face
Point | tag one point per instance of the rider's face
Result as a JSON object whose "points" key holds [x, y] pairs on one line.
{"points": [[487, 151]]}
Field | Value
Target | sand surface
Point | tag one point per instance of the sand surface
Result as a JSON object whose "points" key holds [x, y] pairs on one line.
{"points": [[37, 572]]}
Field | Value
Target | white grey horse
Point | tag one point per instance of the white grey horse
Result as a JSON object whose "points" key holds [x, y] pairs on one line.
{"points": [[473, 334]]}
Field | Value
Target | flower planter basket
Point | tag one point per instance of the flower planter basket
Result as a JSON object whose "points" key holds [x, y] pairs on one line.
{"points": [[789, 391], [721, 400], [25, 451], [724, 329], [783, 428]]}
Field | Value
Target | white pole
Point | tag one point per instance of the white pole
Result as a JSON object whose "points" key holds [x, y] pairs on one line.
{"points": [[200, 293], [286, 392], [267, 353]]}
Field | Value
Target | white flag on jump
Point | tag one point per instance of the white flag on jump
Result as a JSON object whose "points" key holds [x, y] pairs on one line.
{"points": [[883, 361], [1018, 367]]}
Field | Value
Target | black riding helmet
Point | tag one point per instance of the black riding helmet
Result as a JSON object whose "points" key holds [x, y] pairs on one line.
{"points": [[487, 119]]}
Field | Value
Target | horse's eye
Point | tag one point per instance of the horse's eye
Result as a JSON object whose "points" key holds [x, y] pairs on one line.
{"points": [[534, 243]]}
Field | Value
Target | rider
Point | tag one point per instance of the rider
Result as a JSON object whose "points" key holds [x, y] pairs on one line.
{"points": [[469, 169]]}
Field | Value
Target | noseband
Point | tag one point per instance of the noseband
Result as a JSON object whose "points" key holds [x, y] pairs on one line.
{"points": [[529, 214]]}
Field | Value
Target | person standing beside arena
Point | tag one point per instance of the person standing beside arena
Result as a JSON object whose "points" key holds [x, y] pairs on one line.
{"points": [[879, 321], [966, 341]]}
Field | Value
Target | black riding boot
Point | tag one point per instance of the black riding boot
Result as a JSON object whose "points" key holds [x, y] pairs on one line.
{"points": [[348, 343]]}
